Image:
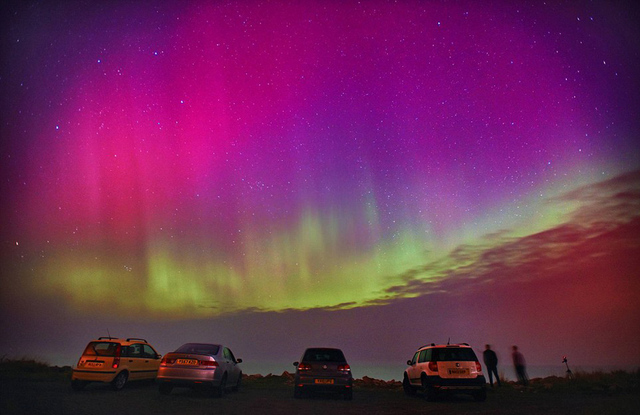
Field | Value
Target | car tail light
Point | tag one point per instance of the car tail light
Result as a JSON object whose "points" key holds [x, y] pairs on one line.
{"points": [[304, 366], [344, 368], [208, 363], [478, 367], [116, 359], [167, 361], [433, 366]]}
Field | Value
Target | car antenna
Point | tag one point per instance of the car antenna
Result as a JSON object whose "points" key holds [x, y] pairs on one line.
{"points": [[109, 334], [449, 341]]}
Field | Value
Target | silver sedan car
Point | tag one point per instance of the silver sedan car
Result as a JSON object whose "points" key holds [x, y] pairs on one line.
{"points": [[212, 366]]}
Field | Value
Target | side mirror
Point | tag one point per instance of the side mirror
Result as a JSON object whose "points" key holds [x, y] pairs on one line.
{"points": [[295, 364], [238, 360], [158, 356], [409, 362]]}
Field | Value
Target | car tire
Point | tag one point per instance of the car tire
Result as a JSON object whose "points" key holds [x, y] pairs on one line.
{"points": [[480, 396], [222, 387], [348, 395], [297, 393], [430, 393], [238, 383], [78, 385], [406, 386], [165, 389], [119, 381]]}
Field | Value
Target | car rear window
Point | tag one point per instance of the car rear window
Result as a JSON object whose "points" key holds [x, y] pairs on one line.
{"points": [[107, 349], [324, 355], [457, 354], [199, 348]]}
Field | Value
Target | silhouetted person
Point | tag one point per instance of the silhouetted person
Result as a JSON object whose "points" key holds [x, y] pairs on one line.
{"points": [[520, 365], [491, 362]]}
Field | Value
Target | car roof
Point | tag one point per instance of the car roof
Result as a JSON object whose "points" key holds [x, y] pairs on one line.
{"points": [[127, 341], [322, 348], [204, 344], [433, 345]]}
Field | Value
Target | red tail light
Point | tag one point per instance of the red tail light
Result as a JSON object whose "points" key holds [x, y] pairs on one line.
{"points": [[208, 363], [304, 366], [433, 366], [344, 368], [478, 367], [116, 359], [167, 361]]}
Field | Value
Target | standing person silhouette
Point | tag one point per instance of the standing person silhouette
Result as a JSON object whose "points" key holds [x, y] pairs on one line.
{"points": [[520, 366], [491, 362]]}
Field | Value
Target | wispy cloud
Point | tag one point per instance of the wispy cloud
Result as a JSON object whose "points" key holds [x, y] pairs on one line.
{"points": [[607, 217]]}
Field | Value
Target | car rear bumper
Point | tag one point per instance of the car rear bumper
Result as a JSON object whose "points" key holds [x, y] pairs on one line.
{"points": [[476, 383], [188, 376], [93, 375], [318, 383]]}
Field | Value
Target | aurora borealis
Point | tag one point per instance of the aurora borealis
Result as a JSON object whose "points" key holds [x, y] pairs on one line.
{"points": [[201, 161]]}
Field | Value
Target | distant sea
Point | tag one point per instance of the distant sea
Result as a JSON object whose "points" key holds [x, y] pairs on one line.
{"points": [[394, 372]]}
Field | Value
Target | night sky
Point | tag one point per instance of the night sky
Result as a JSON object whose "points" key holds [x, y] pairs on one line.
{"points": [[370, 176]]}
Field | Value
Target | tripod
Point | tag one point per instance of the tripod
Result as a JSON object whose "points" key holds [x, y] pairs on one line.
{"points": [[569, 372]]}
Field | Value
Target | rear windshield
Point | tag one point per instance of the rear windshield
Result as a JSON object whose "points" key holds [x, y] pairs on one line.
{"points": [[458, 354], [199, 348], [107, 349], [324, 355]]}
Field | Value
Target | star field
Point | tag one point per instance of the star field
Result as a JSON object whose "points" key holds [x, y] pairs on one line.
{"points": [[241, 156]]}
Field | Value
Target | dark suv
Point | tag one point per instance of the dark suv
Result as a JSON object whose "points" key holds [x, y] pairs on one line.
{"points": [[451, 368]]}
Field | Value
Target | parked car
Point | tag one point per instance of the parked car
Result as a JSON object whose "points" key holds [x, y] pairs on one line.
{"points": [[211, 366], [323, 369], [115, 361], [437, 369]]}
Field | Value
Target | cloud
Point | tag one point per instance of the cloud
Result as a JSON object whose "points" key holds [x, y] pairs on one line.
{"points": [[607, 218]]}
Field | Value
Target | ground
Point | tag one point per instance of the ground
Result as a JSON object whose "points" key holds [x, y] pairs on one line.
{"points": [[50, 393]]}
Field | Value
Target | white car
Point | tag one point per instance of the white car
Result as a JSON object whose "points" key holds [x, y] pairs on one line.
{"points": [[450, 368], [211, 366]]}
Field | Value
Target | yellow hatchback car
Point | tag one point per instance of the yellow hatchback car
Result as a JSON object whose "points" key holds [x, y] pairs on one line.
{"points": [[115, 361]]}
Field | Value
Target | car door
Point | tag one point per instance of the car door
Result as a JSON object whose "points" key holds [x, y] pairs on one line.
{"points": [[133, 360], [149, 362], [423, 362], [233, 371], [412, 370]]}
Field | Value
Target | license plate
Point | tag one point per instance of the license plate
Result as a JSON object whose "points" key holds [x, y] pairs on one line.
{"points": [[93, 364], [324, 381], [457, 371], [187, 361]]}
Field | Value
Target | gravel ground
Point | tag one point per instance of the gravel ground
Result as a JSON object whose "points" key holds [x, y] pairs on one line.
{"points": [[275, 396]]}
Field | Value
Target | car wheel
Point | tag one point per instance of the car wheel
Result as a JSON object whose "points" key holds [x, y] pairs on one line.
{"points": [[78, 385], [238, 383], [222, 387], [165, 389], [119, 381], [480, 396], [406, 386], [348, 395], [297, 393], [430, 393]]}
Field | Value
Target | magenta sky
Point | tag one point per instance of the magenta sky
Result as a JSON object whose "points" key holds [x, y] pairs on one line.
{"points": [[370, 176]]}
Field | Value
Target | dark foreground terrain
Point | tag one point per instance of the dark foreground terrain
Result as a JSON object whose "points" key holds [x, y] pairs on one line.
{"points": [[43, 390]]}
